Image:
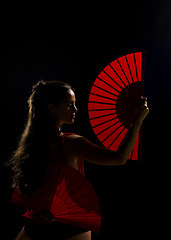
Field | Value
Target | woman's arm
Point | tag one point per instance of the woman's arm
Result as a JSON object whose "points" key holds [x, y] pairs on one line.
{"points": [[93, 153]]}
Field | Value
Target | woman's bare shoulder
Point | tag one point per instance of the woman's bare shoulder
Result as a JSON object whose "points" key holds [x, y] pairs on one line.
{"points": [[83, 148], [73, 140], [72, 143], [72, 137]]}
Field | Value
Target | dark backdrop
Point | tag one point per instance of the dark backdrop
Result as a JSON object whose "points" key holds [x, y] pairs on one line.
{"points": [[74, 43]]}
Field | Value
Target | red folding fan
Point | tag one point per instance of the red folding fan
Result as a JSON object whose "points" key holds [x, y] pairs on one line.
{"points": [[113, 99], [68, 195]]}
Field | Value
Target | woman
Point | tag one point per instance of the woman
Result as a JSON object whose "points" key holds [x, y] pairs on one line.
{"points": [[52, 104]]}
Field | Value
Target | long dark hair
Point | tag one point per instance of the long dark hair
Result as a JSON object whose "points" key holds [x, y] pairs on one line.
{"points": [[30, 158]]}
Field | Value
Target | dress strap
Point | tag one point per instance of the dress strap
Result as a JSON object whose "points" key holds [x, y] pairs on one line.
{"points": [[63, 138], [81, 166]]}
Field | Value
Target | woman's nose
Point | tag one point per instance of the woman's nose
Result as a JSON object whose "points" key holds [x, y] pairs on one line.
{"points": [[75, 109]]}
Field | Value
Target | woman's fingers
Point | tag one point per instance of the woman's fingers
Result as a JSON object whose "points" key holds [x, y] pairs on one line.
{"points": [[47, 216], [142, 109]]}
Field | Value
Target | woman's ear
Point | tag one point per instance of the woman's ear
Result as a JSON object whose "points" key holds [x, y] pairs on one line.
{"points": [[51, 108]]}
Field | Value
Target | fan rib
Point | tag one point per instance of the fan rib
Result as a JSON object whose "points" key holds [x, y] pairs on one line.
{"points": [[129, 68], [123, 72], [102, 103], [105, 90], [103, 96], [104, 122], [112, 133], [135, 66], [116, 137], [139, 64], [117, 74], [108, 84], [107, 128], [112, 78], [102, 109], [103, 116], [143, 66]]}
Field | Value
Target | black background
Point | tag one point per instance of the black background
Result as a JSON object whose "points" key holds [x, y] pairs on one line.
{"points": [[73, 43]]}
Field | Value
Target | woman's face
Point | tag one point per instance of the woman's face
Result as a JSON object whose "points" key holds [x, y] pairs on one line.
{"points": [[65, 111]]}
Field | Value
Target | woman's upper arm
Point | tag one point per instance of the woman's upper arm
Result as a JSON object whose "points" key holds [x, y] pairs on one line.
{"points": [[93, 153]]}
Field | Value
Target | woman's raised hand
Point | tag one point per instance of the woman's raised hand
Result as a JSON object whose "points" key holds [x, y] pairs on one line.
{"points": [[142, 110], [47, 216]]}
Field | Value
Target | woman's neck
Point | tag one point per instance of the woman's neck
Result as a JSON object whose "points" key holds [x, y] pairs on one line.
{"points": [[55, 132]]}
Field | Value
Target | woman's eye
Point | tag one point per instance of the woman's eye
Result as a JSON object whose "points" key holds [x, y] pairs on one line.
{"points": [[71, 105]]}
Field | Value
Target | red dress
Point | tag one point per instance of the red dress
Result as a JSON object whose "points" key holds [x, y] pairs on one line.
{"points": [[67, 194]]}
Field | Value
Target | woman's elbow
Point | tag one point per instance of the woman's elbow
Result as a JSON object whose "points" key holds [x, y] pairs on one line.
{"points": [[117, 161], [112, 158], [121, 160]]}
